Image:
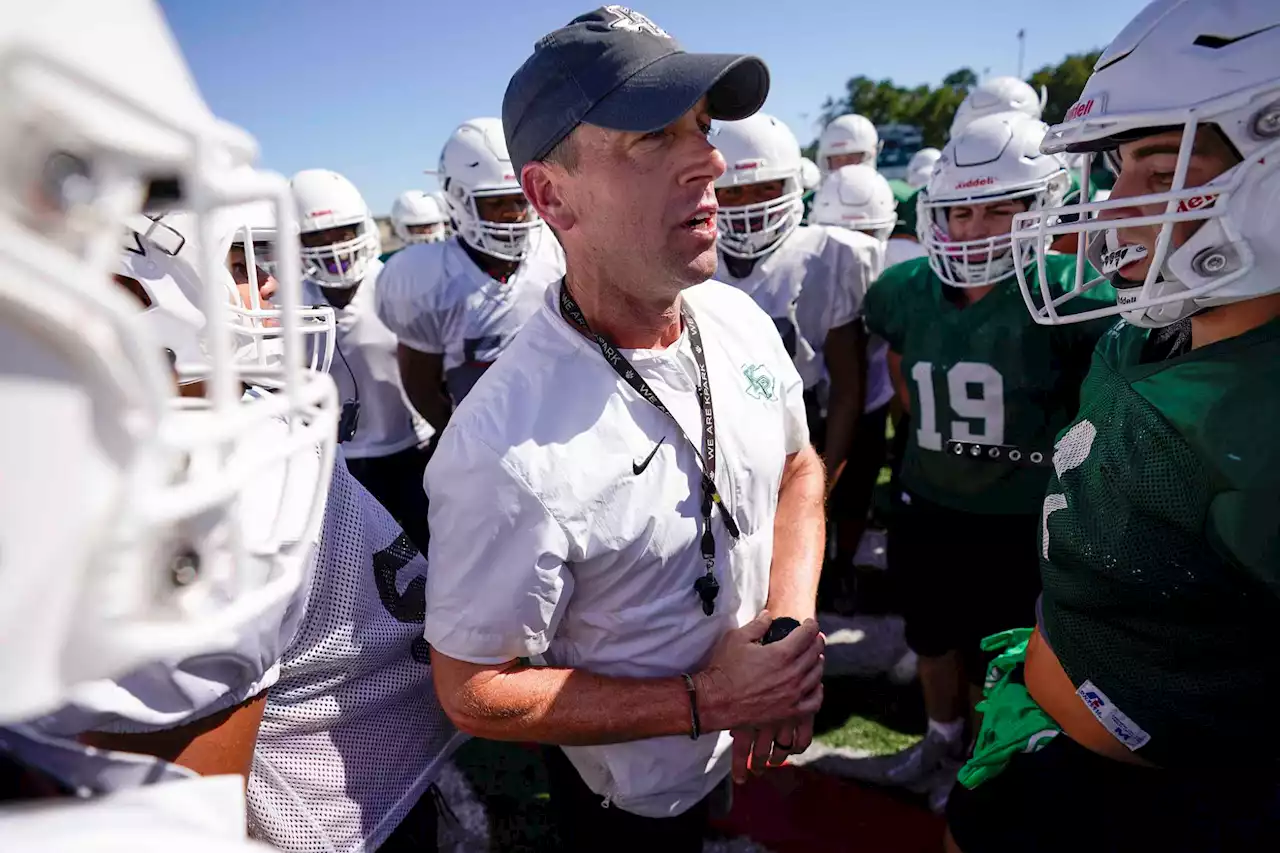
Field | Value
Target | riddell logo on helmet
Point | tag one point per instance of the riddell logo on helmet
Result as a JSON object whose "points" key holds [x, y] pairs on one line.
{"points": [[744, 165], [975, 182], [1079, 110], [320, 213], [1194, 203]]}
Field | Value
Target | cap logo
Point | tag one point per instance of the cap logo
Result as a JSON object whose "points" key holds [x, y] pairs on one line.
{"points": [[633, 22], [975, 182]]}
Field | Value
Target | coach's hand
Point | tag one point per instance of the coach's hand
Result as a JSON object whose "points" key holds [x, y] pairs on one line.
{"points": [[749, 686]]}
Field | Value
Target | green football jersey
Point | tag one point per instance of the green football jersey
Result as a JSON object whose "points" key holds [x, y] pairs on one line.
{"points": [[984, 375], [905, 195], [1161, 547]]}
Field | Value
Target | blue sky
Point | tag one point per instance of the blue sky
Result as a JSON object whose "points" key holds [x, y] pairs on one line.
{"points": [[371, 88]]}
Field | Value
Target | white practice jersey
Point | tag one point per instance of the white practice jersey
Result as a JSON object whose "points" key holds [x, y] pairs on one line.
{"points": [[812, 283], [352, 734], [201, 814], [364, 368], [897, 250], [436, 300]]}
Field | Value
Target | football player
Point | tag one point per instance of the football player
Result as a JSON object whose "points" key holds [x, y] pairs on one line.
{"points": [[847, 141], [987, 390], [809, 279], [1147, 682], [418, 217], [858, 198], [454, 306], [125, 526], [383, 439]]}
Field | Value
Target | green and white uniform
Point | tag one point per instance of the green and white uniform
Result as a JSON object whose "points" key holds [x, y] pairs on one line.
{"points": [[983, 374], [1161, 547]]}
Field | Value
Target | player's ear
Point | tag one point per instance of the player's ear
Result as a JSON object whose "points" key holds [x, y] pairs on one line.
{"points": [[544, 186]]}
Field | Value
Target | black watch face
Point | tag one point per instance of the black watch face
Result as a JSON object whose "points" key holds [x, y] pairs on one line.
{"points": [[779, 628]]}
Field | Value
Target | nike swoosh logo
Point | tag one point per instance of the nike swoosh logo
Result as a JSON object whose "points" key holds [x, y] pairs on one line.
{"points": [[637, 468]]}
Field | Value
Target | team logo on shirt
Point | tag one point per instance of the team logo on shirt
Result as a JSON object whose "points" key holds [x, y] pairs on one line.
{"points": [[760, 382]]}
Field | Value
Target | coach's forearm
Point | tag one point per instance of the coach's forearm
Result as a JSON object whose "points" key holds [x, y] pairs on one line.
{"points": [[799, 538], [570, 707]]}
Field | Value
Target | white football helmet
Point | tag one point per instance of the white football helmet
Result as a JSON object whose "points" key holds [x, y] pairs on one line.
{"points": [[848, 134], [757, 150], [161, 263], [327, 200], [1177, 66], [921, 167], [475, 164], [810, 175], [417, 217], [857, 197], [120, 541], [999, 95], [994, 158]]}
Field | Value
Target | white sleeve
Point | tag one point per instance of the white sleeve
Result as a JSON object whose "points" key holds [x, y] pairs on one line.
{"points": [[858, 265], [404, 301], [499, 581]]}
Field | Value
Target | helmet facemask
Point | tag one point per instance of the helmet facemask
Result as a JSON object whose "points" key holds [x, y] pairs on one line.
{"points": [[1217, 264], [754, 230], [984, 261], [342, 263]]}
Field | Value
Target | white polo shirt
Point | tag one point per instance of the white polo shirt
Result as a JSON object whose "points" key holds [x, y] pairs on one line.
{"points": [[364, 368], [546, 544]]}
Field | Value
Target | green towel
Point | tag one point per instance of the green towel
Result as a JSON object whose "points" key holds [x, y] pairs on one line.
{"points": [[1012, 722]]}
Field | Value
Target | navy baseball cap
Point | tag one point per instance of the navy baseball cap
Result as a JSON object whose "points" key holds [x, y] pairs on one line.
{"points": [[616, 69]]}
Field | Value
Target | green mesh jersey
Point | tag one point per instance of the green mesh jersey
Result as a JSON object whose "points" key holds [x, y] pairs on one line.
{"points": [[1161, 545], [905, 195], [985, 374]]}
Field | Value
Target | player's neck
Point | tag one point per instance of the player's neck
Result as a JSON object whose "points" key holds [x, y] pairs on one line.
{"points": [[1231, 320], [628, 321], [497, 269], [339, 297]]}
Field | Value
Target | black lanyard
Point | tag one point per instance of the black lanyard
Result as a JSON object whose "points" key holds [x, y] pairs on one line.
{"points": [[706, 586]]}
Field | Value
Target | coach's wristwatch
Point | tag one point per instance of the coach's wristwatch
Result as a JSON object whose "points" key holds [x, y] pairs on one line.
{"points": [[779, 628]]}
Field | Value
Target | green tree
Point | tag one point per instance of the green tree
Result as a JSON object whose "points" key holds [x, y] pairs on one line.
{"points": [[931, 109], [1064, 82]]}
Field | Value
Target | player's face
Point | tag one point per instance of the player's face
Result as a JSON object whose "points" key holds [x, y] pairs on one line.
{"points": [[1146, 167], [839, 161], [646, 202], [429, 229], [337, 263], [238, 266], [506, 209], [969, 222], [746, 194]]}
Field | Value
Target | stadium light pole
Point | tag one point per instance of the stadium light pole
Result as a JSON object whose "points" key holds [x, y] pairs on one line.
{"points": [[1022, 50]]}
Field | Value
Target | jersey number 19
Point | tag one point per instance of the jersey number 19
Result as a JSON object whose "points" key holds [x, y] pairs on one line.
{"points": [[976, 394]]}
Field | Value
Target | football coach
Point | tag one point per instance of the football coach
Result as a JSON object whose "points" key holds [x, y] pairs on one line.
{"points": [[626, 513]]}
